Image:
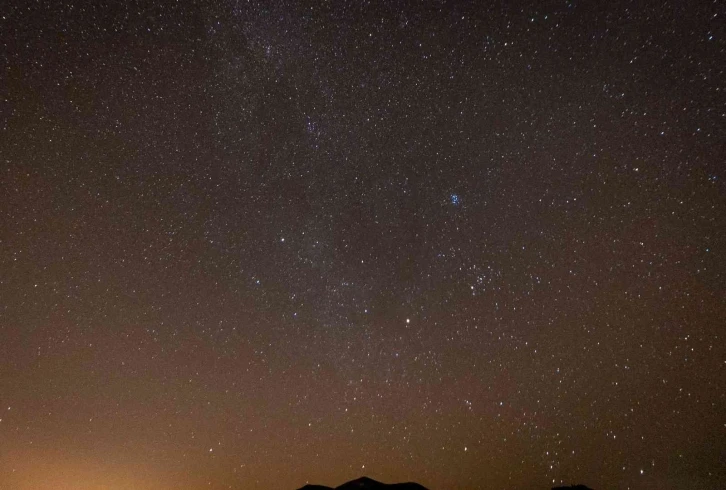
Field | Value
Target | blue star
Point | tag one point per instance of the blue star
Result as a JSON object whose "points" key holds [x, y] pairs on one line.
{"points": [[454, 198]]}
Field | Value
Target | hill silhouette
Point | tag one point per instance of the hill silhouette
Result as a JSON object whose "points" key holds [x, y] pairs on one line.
{"points": [[365, 483]]}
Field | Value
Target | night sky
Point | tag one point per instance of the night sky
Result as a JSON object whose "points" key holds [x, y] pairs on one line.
{"points": [[251, 245]]}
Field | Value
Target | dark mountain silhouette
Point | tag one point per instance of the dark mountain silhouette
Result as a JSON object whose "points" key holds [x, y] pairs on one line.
{"points": [[366, 483]]}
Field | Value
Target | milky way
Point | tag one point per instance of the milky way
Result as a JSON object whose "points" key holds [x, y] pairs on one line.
{"points": [[251, 245]]}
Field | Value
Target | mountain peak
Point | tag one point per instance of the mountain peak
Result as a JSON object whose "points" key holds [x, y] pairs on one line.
{"points": [[366, 483], [362, 482]]}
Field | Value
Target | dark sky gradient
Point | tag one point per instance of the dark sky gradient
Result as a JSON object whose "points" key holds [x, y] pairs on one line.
{"points": [[249, 245]]}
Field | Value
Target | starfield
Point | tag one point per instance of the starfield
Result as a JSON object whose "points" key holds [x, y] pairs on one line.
{"points": [[263, 244]]}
